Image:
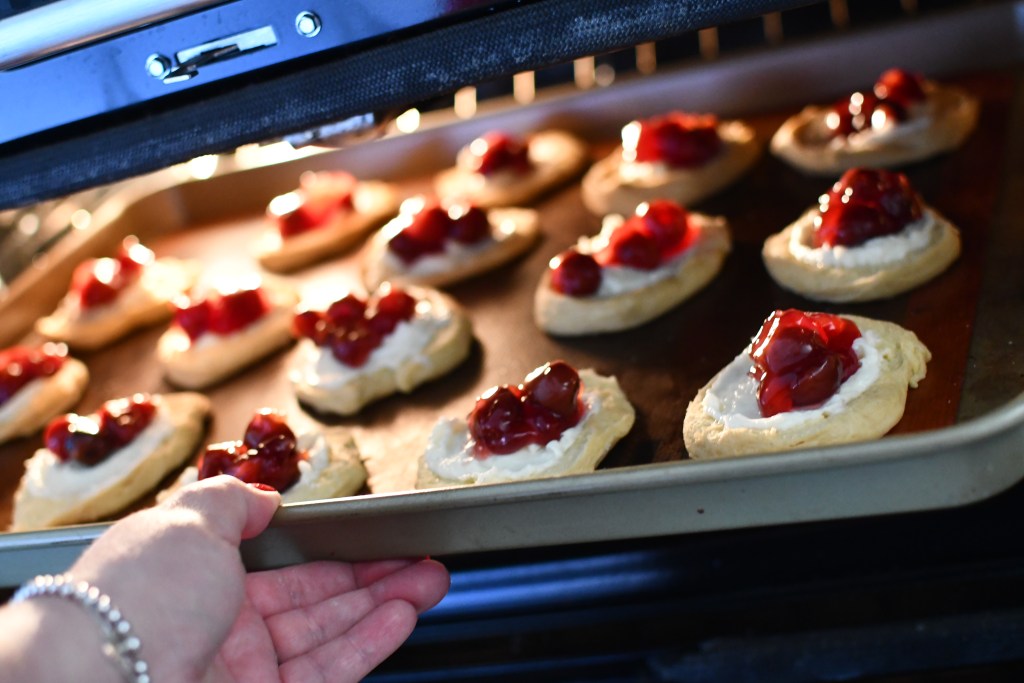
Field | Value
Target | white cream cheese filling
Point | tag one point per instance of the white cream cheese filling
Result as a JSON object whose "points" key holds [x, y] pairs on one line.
{"points": [[885, 132], [732, 398], [318, 368], [23, 398], [46, 476], [877, 251], [450, 451]]}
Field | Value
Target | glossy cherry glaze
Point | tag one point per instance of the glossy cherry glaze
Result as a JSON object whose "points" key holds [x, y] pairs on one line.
{"points": [[19, 365], [354, 328], [497, 151], [97, 282], [801, 359], [267, 454], [895, 92], [506, 418], [658, 232], [863, 204], [221, 313], [428, 226], [677, 139], [91, 439], [322, 197]]}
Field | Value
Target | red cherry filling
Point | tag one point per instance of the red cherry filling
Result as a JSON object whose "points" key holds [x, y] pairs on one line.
{"points": [[863, 204], [90, 439], [677, 139], [19, 365], [893, 94], [801, 359], [322, 197], [267, 454], [575, 274], [354, 328], [657, 232], [222, 313], [99, 281], [497, 151], [506, 419], [427, 226]]}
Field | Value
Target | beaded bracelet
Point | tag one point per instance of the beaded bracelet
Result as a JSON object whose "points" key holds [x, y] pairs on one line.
{"points": [[121, 646]]}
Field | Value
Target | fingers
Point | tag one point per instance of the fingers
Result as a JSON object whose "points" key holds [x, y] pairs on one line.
{"points": [[227, 506], [280, 590], [351, 656], [299, 631]]}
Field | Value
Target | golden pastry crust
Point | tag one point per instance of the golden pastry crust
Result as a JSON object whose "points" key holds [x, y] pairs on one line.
{"points": [[564, 315], [557, 157], [604, 191], [864, 283], [41, 400], [373, 203], [514, 231], [803, 140], [610, 423], [867, 416], [160, 283], [187, 412], [195, 366], [344, 474], [449, 347]]}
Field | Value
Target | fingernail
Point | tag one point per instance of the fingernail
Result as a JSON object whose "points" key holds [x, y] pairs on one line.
{"points": [[262, 487]]}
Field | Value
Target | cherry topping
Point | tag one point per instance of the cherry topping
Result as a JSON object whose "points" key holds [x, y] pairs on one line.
{"points": [[631, 245], [98, 281], [497, 151], [893, 94], [667, 222], [677, 139], [354, 328], [801, 359], [506, 419], [900, 87], [90, 439], [322, 197], [268, 454], [575, 274], [426, 226], [221, 313], [863, 204], [19, 365]]}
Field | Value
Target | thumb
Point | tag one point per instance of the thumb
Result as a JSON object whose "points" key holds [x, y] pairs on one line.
{"points": [[229, 507]]}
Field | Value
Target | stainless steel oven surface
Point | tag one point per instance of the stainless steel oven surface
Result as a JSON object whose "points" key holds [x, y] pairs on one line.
{"points": [[796, 566]]}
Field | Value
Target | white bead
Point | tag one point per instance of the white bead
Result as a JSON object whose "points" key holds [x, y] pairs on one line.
{"points": [[141, 667], [132, 643], [123, 627], [142, 678], [114, 615]]}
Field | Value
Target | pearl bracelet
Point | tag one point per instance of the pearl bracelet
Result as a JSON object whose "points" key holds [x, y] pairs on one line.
{"points": [[121, 646]]}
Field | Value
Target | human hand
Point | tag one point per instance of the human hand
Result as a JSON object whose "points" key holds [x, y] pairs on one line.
{"points": [[175, 573]]}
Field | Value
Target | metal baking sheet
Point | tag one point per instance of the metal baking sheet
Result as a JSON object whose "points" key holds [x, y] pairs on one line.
{"points": [[961, 439]]}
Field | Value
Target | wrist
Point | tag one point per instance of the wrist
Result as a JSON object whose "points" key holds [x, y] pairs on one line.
{"points": [[51, 639]]}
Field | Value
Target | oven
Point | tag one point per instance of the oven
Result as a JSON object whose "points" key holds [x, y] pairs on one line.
{"points": [[896, 560]]}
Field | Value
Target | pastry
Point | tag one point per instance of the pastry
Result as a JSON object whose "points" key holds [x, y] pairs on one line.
{"points": [[110, 297], [871, 237], [436, 244], [329, 213], [357, 350], [807, 380], [682, 157], [215, 335], [633, 271], [93, 466], [499, 169], [310, 466], [905, 118], [37, 384], [557, 422]]}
